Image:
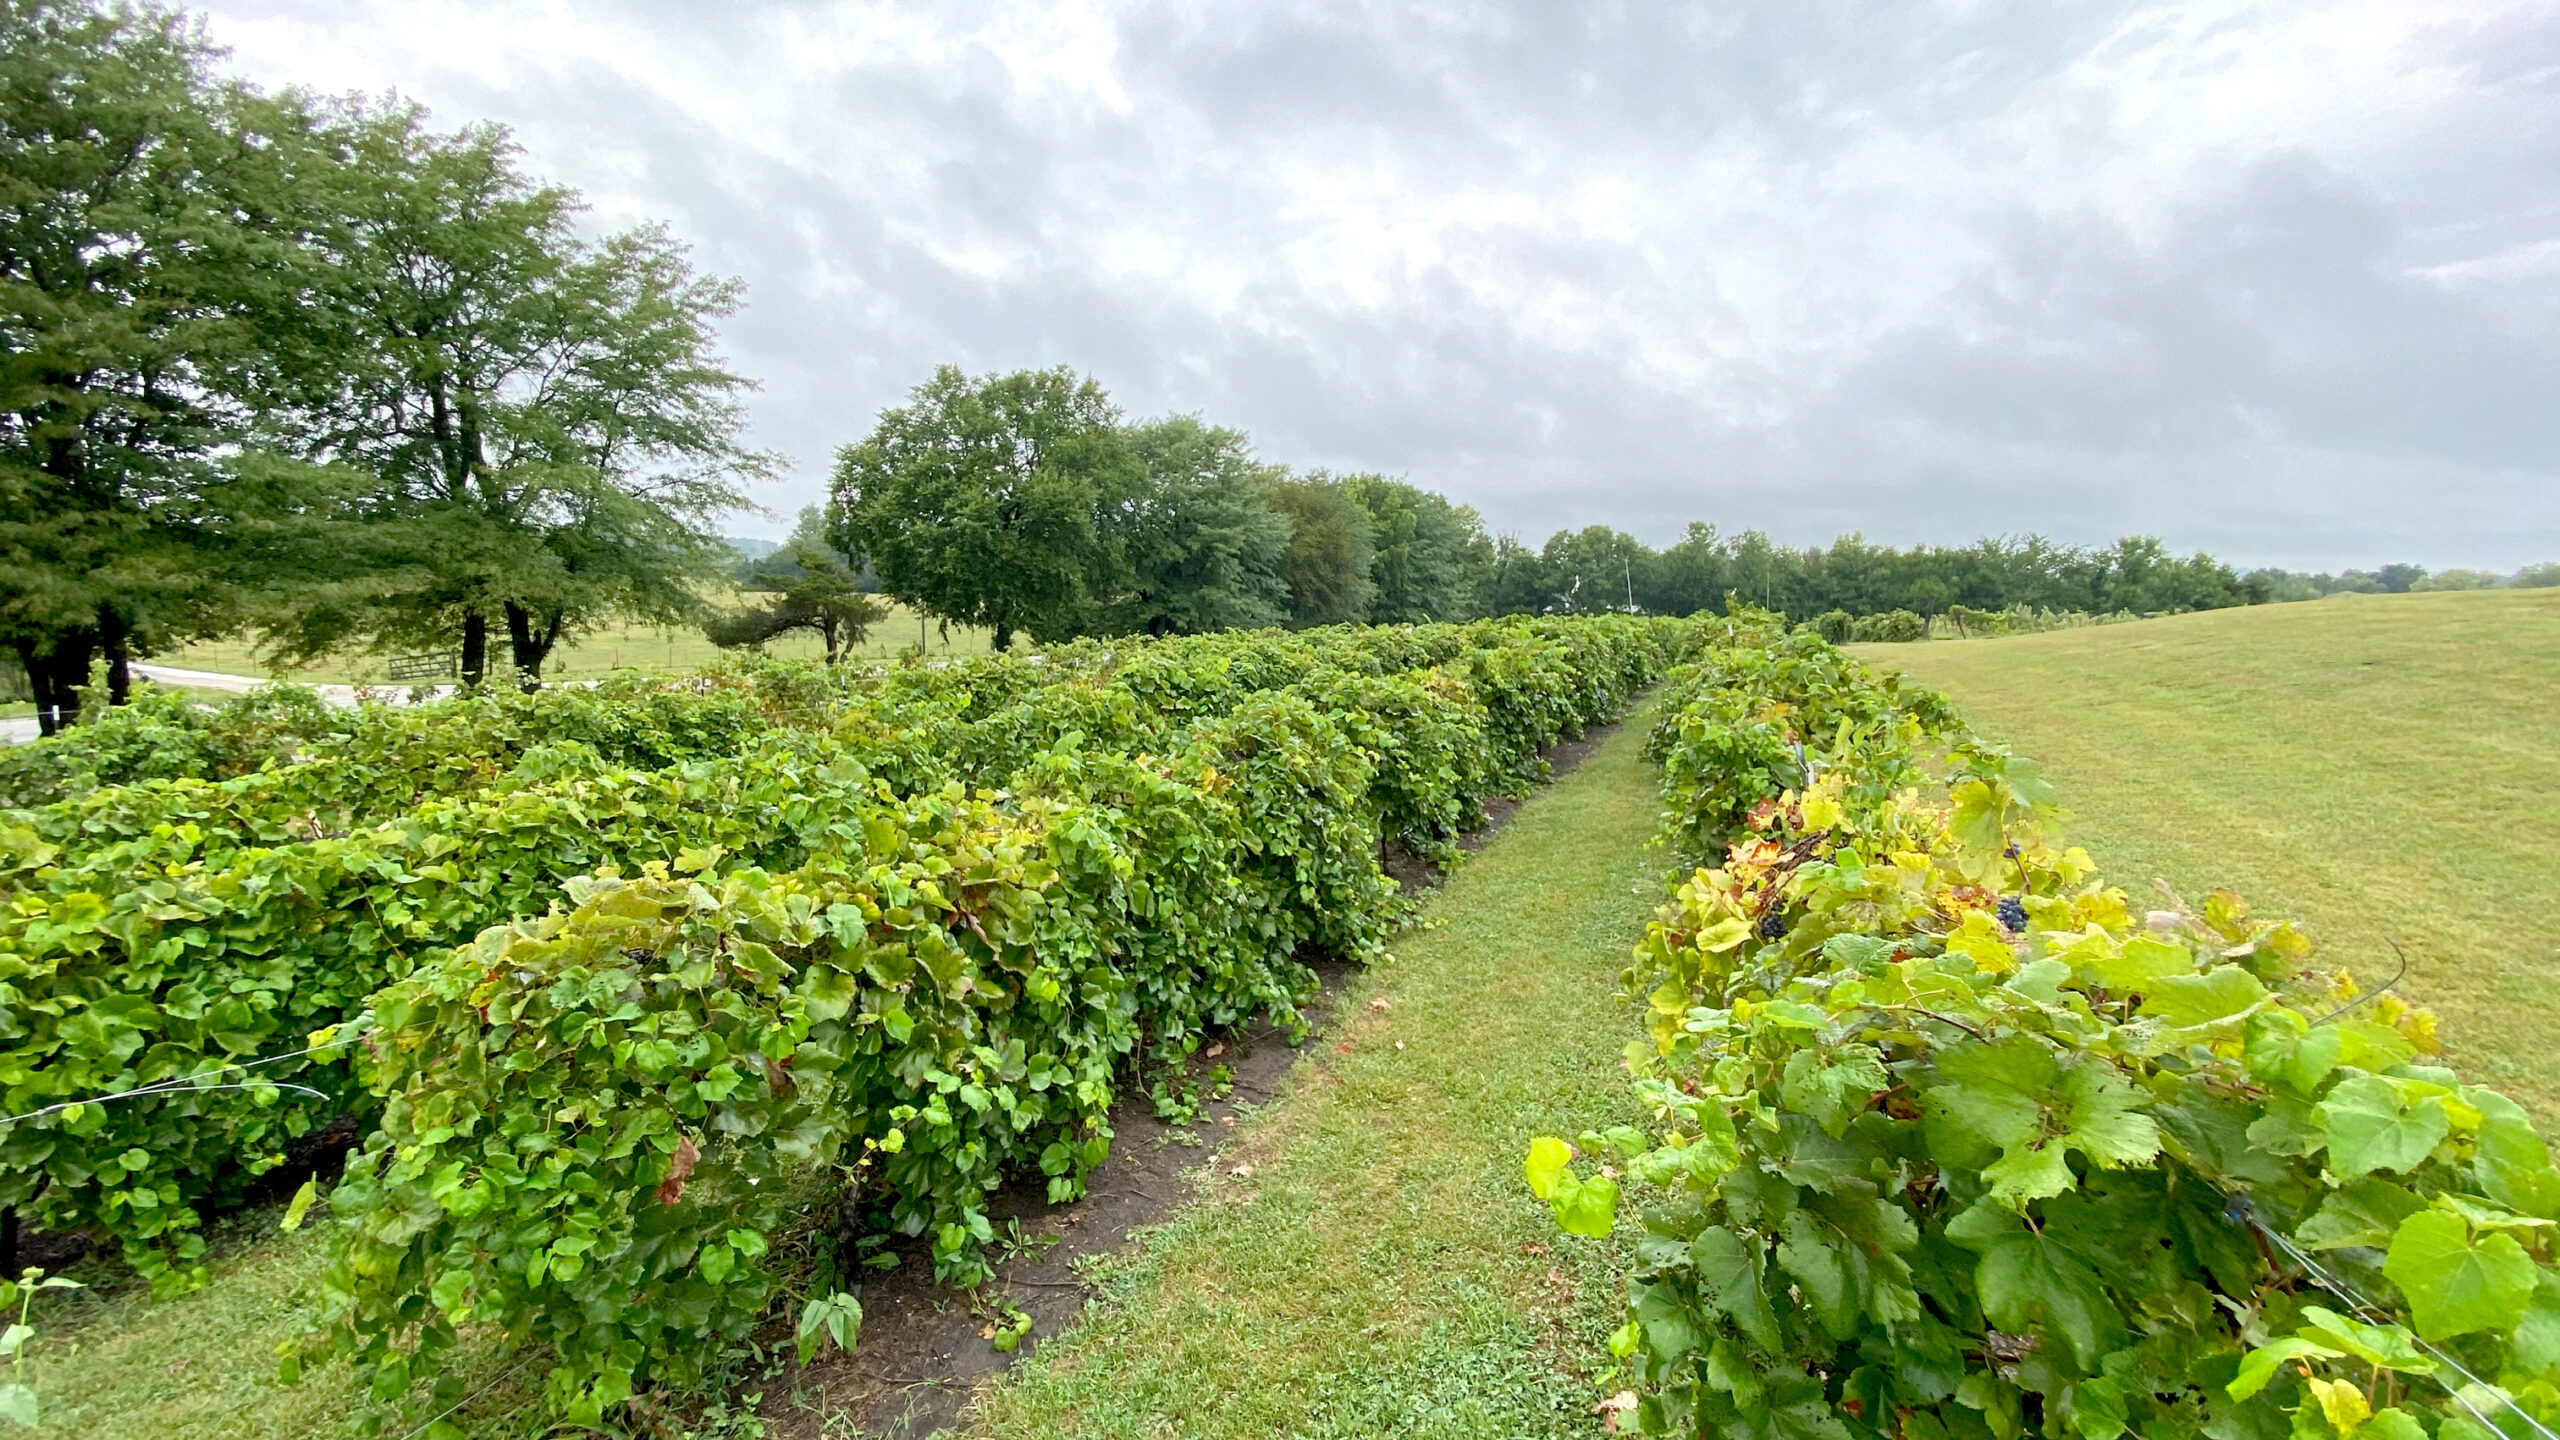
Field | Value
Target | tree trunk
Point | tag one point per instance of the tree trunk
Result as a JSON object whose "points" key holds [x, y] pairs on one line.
{"points": [[528, 645], [54, 677], [1002, 644], [118, 643], [475, 648]]}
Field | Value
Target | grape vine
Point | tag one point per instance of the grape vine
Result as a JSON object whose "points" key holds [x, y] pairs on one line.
{"points": [[1969, 1147]]}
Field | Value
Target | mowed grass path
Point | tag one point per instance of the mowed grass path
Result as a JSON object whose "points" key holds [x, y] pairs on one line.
{"points": [[2372, 766], [1383, 1270]]}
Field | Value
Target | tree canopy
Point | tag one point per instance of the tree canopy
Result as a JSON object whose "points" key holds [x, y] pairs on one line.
{"points": [[150, 287], [993, 501], [1429, 559], [1205, 550], [1332, 547], [541, 432]]}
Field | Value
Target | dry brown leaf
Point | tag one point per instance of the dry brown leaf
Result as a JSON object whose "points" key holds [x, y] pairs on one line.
{"points": [[671, 1189]]}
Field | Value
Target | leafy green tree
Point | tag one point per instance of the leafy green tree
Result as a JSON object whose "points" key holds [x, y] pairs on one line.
{"points": [[151, 282], [541, 432], [1595, 569], [1430, 557], [1693, 575], [1517, 582], [1204, 548], [1331, 548], [993, 501], [814, 589]]}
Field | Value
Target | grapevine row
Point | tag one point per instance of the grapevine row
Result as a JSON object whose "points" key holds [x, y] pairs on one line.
{"points": [[1953, 1141], [151, 958]]}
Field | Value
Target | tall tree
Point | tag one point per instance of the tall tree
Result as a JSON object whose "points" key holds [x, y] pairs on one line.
{"points": [[1430, 557], [814, 588], [994, 501], [544, 431], [1330, 549], [150, 274], [1203, 546]]}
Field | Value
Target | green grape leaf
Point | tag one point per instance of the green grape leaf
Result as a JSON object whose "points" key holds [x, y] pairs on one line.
{"points": [[2029, 1173], [2534, 1348], [2259, 1366], [1796, 1015], [2097, 1409], [2100, 1118], [2388, 1346], [2025, 1280], [2282, 1047], [1974, 817], [2364, 1211], [1730, 1271], [1821, 1274], [1588, 1208], [1834, 1090], [2144, 962], [2392, 1424], [1993, 1094], [1670, 1330], [2454, 1286], [2370, 1128], [300, 1206], [2512, 1162]]}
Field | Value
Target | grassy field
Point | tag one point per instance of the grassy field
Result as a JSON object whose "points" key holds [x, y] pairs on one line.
{"points": [[113, 1365], [664, 649], [2375, 766], [1383, 1270]]}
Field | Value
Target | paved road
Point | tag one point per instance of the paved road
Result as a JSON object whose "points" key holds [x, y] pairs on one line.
{"points": [[20, 729]]}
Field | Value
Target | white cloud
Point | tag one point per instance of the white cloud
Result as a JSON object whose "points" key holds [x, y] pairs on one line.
{"points": [[2272, 278]]}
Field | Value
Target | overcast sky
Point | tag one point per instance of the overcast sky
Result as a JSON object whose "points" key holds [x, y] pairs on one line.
{"points": [[2279, 281]]}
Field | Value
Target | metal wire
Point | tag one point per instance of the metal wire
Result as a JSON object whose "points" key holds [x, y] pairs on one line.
{"points": [[2238, 1205], [189, 1084]]}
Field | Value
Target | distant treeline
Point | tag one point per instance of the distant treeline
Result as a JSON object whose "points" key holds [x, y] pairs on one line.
{"points": [[2267, 585], [1027, 502]]}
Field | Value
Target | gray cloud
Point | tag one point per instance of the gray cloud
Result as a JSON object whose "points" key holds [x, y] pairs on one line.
{"points": [[2280, 281]]}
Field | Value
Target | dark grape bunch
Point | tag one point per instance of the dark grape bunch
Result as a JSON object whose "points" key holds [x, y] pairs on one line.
{"points": [[1773, 926], [2013, 914]]}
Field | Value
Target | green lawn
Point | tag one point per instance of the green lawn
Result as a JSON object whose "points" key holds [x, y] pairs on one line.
{"points": [[113, 1365], [1384, 1270], [2376, 766], [664, 649]]}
